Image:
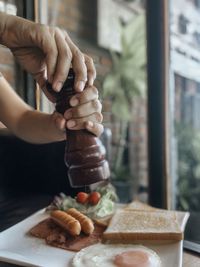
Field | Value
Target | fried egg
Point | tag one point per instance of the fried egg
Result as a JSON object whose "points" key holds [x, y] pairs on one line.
{"points": [[117, 255]]}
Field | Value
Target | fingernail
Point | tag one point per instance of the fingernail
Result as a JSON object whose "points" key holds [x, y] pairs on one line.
{"points": [[74, 102], [90, 124], [90, 82], [68, 115], [71, 124], [58, 86], [80, 85]]}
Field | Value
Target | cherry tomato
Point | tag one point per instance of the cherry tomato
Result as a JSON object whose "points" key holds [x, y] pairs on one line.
{"points": [[94, 198], [82, 197]]}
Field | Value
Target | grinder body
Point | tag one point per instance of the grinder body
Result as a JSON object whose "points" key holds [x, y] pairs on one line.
{"points": [[84, 153]]}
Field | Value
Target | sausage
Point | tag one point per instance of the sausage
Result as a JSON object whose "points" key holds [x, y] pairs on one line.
{"points": [[66, 221], [87, 225]]}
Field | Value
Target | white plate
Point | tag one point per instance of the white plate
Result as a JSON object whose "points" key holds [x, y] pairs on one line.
{"points": [[18, 248]]}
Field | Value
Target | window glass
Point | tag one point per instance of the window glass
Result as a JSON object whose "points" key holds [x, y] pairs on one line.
{"points": [[9, 7], [185, 104]]}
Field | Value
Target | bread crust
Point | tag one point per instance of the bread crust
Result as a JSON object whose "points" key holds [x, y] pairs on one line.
{"points": [[129, 237]]}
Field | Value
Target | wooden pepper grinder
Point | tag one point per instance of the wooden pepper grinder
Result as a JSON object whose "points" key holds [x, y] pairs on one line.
{"points": [[84, 152]]}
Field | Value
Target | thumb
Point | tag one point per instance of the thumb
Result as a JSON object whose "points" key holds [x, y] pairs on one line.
{"points": [[42, 80], [59, 121]]}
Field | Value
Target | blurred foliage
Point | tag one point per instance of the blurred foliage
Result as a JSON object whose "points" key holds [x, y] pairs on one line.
{"points": [[122, 174], [188, 168], [127, 78], [126, 81]]}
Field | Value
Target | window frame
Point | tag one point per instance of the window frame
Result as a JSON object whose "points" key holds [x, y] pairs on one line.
{"points": [[158, 83], [158, 50], [25, 82]]}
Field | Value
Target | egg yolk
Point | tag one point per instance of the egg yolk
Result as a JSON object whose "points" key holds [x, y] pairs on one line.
{"points": [[132, 259]]}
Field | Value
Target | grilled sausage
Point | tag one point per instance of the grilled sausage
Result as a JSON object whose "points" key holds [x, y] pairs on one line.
{"points": [[66, 221], [86, 223]]}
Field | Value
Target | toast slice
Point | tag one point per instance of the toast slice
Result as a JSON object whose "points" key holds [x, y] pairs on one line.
{"points": [[129, 225], [138, 205], [104, 221]]}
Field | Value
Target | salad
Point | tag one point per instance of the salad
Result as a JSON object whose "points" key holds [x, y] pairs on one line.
{"points": [[97, 204]]}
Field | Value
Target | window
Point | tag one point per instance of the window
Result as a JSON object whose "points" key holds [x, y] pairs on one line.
{"points": [[183, 113], [174, 106], [197, 37], [182, 24], [10, 7], [185, 110], [197, 3], [188, 104]]}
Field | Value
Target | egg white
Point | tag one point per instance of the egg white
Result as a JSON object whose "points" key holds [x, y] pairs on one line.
{"points": [[102, 255]]}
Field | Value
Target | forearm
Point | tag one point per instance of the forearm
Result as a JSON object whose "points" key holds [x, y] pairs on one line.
{"points": [[11, 105], [37, 127], [27, 124]]}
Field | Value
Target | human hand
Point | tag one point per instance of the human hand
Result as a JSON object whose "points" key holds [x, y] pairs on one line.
{"points": [[46, 53], [38, 127], [85, 113]]}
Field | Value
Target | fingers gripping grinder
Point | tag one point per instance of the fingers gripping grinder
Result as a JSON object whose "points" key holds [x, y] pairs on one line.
{"points": [[84, 152]]}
